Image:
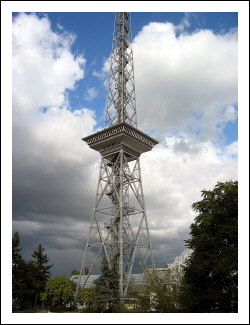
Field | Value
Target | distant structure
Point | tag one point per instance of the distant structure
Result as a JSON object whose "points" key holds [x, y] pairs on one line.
{"points": [[119, 228], [175, 271], [180, 261]]}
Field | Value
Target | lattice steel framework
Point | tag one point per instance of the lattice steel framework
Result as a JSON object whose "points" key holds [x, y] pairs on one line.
{"points": [[121, 90], [119, 228]]}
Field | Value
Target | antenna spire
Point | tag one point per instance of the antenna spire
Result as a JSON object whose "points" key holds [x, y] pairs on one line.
{"points": [[121, 88]]}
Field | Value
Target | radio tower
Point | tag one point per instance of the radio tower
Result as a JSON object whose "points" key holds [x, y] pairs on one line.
{"points": [[119, 227]]}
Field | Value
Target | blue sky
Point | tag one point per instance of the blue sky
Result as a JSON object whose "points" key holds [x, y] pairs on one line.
{"points": [[93, 38], [186, 92], [97, 46]]}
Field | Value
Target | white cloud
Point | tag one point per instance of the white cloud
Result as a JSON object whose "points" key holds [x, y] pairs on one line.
{"points": [[51, 164], [59, 26], [185, 23], [55, 173], [104, 72], [185, 83], [174, 174], [43, 65], [91, 93]]}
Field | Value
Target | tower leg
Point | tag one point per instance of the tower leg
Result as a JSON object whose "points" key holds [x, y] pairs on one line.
{"points": [[119, 227]]}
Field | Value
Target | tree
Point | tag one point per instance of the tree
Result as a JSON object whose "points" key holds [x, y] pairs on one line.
{"points": [[59, 291], [28, 278], [23, 277], [107, 288], [86, 298], [22, 280], [16, 256], [85, 271], [75, 272], [18, 273], [159, 292], [42, 271], [210, 282], [29, 287]]}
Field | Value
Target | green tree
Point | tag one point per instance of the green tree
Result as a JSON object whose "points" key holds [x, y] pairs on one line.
{"points": [[159, 292], [75, 272], [16, 256], [210, 282], [29, 288], [59, 291], [18, 273], [23, 275], [42, 273], [107, 289], [85, 270], [28, 278], [86, 298]]}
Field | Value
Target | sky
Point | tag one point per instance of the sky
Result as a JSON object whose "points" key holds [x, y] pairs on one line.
{"points": [[186, 81], [186, 94]]}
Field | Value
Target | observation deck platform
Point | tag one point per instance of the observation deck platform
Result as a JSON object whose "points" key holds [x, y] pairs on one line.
{"points": [[110, 141]]}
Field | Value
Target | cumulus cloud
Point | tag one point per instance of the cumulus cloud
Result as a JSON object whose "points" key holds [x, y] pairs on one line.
{"points": [[185, 22], [43, 65], [186, 88], [174, 174], [185, 83], [91, 93], [104, 72], [60, 26], [52, 167]]}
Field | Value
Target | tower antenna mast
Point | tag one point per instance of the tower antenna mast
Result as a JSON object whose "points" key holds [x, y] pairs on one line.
{"points": [[119, 228]]}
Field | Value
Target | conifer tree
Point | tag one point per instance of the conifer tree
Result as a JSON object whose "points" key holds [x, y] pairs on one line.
{"points": [[42, 270], [107, 288], [18, 273]]}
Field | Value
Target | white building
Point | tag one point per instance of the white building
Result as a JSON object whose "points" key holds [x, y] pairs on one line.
{"points": [[176, 269]]}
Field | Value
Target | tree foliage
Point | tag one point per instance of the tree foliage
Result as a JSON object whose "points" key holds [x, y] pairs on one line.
{"points": [[75, 272], [59, 291], [159, 292], [210, 281], [16, 255], [28, 278], [107, 289], [18, 273], [23, 278], [42, 273], [86, 298]]}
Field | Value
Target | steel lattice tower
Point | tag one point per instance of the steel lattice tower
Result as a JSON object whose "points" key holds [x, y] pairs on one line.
{"points": [[119, 227]]}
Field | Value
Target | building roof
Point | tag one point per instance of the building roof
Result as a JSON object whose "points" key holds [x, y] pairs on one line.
{"points": [[136, 278]]}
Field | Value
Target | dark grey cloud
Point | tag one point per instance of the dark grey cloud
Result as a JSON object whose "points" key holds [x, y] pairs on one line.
{"points": [[55, 173]]}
